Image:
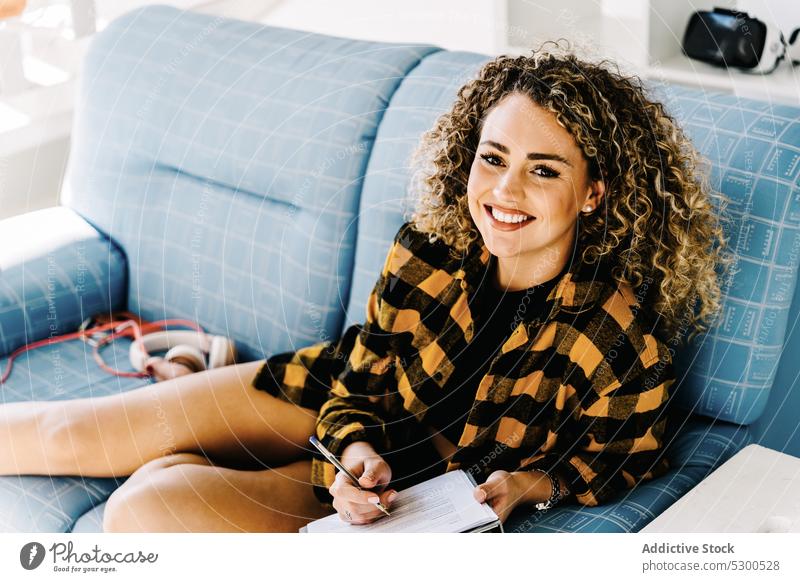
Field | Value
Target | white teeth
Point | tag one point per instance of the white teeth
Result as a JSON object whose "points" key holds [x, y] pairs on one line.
{"points": [[510, 218]]}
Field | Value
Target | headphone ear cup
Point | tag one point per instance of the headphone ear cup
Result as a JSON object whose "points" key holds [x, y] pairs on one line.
{"points": [[137, 357], [221, 352], [188, 355]]}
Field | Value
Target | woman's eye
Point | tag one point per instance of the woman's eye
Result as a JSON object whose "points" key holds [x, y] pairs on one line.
{"points": [[542, 171], [488, 157], [548, 172]]}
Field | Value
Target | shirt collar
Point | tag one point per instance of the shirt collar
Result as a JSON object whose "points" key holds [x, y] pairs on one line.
{"points": [[578, 289]]}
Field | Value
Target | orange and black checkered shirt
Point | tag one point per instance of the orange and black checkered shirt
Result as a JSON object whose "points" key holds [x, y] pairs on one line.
{"points": [[581, 391]]}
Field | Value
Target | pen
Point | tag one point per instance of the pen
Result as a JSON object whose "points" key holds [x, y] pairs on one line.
{"points": [[329, 455]]}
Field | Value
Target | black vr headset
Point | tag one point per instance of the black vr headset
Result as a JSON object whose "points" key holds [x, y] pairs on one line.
{"points": [[727, 38]]}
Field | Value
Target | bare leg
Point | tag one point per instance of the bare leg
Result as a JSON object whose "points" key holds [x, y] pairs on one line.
{"points": [[216, 413], [186, 493], [24, 436]]}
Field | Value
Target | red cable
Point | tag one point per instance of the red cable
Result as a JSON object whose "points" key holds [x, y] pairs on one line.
{"points": [[123, 329]]}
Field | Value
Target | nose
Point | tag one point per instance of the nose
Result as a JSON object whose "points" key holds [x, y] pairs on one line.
{"points": [[507, 189]]}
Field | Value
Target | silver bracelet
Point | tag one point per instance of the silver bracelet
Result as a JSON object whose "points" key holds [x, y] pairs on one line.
{"points": [[555, 496]]}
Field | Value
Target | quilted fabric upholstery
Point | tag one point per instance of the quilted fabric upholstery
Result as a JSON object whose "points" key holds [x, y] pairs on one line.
{"points": [[753, 149], [48, 285]]}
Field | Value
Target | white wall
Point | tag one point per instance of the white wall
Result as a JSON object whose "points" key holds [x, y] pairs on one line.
{"points": [[784, 13], [452, 24], [30, 179]]}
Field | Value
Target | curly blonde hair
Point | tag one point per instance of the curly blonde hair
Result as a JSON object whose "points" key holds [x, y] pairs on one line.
{"points": [[657, 219]]}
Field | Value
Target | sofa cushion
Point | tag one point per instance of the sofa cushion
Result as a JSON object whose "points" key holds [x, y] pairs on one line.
{"points": [[91, 521]]}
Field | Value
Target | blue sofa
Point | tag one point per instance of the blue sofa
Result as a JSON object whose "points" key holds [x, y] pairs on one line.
{"points": [[252, 177]]}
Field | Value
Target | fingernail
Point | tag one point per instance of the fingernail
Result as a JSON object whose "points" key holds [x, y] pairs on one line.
{"points": [[392, 497], [373, 499]]}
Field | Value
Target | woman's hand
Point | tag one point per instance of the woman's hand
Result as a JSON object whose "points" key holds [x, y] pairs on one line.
{"points": [[358, 507], [502, 491]]}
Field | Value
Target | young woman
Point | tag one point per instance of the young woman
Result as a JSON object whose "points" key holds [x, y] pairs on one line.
{"points": [[519, 330]]}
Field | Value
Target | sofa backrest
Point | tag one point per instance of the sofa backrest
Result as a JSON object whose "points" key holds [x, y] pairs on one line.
{"points": [[225, 158], [753, 148]]}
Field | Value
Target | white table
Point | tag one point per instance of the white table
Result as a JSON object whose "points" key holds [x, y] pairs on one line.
{"points": [[756, 490]]}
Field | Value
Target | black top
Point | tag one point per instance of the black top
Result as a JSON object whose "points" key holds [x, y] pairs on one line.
{"points": [[501, 314]]}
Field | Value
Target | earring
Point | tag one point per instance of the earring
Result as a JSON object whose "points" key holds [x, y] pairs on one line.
{"points": [[587, 209]]}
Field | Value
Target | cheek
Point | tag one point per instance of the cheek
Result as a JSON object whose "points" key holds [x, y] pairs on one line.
{"points": [[475, 188], [474, 206], [561, 208], [559, 204], [474, 179]]}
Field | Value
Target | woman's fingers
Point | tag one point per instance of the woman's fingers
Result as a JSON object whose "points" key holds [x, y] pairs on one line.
{"points": [[376, 473], [372, 512], [344, 489], [387, 497], [373, 474], [348, 498], [495, 485], [357, 514], [351, 513]]}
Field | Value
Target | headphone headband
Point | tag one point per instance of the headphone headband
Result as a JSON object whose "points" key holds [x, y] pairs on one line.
{"points": [[219, 349]]}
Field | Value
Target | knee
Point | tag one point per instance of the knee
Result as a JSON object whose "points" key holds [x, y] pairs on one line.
{"points": [[129, 509], [144, 503]]}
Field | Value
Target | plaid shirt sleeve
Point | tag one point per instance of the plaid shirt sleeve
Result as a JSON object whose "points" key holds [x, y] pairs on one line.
{"points": [[618, 439], [303, 376], [354, 411]]}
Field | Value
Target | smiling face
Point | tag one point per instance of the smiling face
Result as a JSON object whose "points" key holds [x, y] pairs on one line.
{"points": [[528, 168]]}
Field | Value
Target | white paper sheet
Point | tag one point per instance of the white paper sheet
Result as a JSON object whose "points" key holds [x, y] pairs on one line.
{"points": [[442, 504]]}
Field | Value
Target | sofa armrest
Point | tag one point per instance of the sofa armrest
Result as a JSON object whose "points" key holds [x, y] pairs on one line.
{"points": [[56, 269]]}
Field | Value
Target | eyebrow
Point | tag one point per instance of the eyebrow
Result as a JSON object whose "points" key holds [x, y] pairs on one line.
{"points": [[531, 155]]}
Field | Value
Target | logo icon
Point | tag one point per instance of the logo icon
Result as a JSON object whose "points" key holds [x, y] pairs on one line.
{"points": [[31, 555]]}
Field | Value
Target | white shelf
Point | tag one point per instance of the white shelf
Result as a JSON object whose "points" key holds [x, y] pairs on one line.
{"points": [[645, 37], [783, 85]]}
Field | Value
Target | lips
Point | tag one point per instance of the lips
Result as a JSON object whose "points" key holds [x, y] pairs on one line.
{"points": [[506, 226], [507, 210]]}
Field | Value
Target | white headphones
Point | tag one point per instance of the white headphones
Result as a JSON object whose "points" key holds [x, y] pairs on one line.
{"points": [[185, 347]]}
